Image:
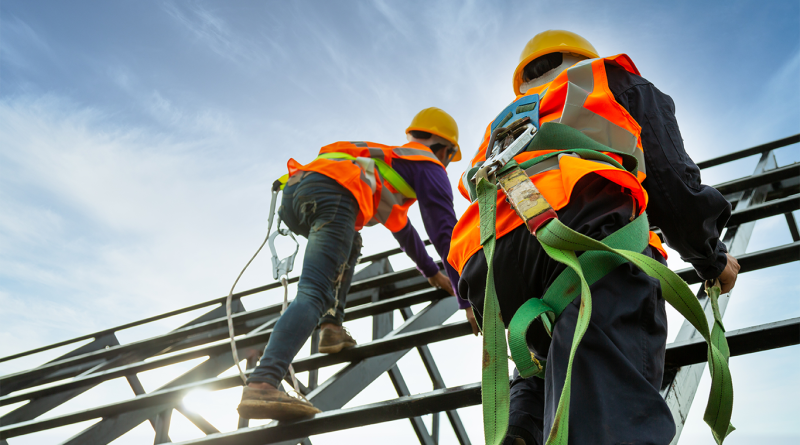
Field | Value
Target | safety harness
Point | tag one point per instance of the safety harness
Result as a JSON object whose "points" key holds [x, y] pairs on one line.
{"points": [[509, 138], [386, 171]]}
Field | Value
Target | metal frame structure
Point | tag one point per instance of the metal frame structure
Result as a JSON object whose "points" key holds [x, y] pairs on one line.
{"points": [[377, 291]]}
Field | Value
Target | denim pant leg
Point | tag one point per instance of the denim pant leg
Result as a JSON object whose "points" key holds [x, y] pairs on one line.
{"points": [[335, 314], [324, 212]]}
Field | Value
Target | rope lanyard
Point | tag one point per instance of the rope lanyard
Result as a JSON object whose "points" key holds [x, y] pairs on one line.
{"points": [[600, 257], [280, 269], [276, 187]]}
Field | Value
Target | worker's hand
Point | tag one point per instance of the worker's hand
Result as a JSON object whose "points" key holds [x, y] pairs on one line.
{"points": [[440, 281], [728, 276], [471, 320]]}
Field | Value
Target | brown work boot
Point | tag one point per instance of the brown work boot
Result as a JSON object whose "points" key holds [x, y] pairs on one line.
{"points": [[273, 404], [332, 341]]}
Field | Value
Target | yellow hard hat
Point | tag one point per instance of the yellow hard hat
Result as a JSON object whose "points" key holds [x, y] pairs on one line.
{"points": [[435, 121], [552, 41]]}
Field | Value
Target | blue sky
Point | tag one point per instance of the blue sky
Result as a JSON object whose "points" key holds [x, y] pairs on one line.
{"points": [[138, 141]]}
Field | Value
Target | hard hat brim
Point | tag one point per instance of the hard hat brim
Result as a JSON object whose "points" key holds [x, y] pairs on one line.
{"points": [[457, 156], [560, 49]]}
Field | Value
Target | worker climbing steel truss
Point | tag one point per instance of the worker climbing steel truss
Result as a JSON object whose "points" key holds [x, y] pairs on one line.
{"points": [[377, 291]]}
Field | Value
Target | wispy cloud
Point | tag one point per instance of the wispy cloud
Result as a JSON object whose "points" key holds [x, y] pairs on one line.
{"points": [[98, 216], [214, 32], [18, 42]]}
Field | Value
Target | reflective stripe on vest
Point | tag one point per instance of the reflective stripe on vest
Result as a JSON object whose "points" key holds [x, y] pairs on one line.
{"points": [[597, 127], [387, 172], [580, 98], [365, 169]]}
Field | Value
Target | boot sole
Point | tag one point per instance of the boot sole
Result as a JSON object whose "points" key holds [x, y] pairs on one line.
{"points": [[260, 409], [333, 349]]}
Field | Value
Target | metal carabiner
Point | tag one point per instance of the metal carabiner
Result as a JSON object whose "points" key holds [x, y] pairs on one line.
{"points": [[282, 267], [500, 157]]}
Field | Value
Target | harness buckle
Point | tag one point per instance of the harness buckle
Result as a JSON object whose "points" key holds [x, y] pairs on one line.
{"points": [[282, 267]]}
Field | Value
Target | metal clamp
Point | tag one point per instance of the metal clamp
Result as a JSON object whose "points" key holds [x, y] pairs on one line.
{"points": [[282, 267], [500, 157]]}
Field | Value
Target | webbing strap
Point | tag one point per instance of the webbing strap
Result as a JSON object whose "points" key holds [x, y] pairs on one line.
{"points": [[595, 265], [560, 242], [555, 136], [388, 173], [495, 392]]}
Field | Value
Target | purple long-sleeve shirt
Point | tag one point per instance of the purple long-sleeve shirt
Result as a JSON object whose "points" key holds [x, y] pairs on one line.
{"points": [[435, 197]]}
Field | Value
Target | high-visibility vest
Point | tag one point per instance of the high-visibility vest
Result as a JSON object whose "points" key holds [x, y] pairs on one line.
{"points": [[364, 168], [579, 97]]}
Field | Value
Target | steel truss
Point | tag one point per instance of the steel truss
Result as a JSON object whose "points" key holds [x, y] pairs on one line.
{"points": [[377, 291]]}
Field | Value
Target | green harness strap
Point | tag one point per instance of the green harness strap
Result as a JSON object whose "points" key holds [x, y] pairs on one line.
{"points": [[495, 391], [595, 265], [560, 242], [388, 173]]}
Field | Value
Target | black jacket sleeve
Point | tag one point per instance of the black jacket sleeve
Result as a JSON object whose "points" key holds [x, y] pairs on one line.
{"points": [[691, 215]]}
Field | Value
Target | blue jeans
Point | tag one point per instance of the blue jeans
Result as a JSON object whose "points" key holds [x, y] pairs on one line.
{"points": [[323, 211]]}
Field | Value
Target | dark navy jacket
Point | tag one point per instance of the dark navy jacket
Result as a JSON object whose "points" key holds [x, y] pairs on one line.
{"points": [[691, 215]]}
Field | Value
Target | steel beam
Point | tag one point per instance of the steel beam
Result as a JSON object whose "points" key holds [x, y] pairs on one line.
{"points": [[111, 427], [793, 225], [766, 177], [401, 408], [46, 402], [416, 422], [199, 421], [386, 254], [742, 341], [252, 341], [252, 361], [164, 419], [765, 210], [340, 389], [759, 149], [122, 421], [179, 335], [382, 325], [138, 389], [28, 380], [198, 333], [387, 345], [438, 383]]}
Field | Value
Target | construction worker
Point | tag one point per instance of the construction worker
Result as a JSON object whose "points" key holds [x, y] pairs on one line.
{"points": [[618, 367], [350, 185]]}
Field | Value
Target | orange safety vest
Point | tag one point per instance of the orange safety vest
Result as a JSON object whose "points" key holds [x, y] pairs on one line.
{"points": [[579, 97], [378, 201]]}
